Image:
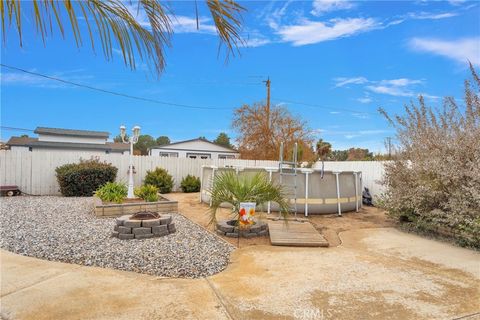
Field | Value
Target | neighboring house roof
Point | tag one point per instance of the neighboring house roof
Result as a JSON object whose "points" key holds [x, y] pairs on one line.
{"points": [[33, 142], [175, 145], [71, 132]]}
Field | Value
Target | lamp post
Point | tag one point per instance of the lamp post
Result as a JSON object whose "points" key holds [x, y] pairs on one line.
{"points": [[132, 140]]}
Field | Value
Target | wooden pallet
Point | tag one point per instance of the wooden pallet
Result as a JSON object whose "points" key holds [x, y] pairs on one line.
{"points": [[293, 233]]}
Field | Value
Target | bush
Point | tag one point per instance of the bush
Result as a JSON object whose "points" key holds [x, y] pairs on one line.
{"points": [[112, 192], [82, 179], [160, 179], [434, 182], [190, 184], [147, 192]]}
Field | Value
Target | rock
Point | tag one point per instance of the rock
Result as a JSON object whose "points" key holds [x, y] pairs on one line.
{"points": [[220, 232], [171, 228], [249, 235], [144, 236], [166, 219], [115, 234], [125, 236], [223, 226], [120, 220], [115, 228], [263, 233], [141, 230], [160, 230], [132, 223], [124, 230], [150, 223], [256, 228], [232, 235]]}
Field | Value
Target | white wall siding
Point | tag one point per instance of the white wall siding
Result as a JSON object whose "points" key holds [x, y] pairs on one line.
{"points": [[34, 172], [71, 139]]}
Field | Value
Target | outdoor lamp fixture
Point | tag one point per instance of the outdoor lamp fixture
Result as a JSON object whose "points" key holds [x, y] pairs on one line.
{"points": [[132, 140]]}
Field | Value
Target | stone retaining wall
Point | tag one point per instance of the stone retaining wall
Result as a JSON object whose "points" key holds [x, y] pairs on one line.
{"points": [[120, 209], [125, 228], [260, 228]]}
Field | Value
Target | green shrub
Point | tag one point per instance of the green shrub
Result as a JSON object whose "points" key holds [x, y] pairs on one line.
{"points": [[83, 178], [190, 184], [160, 179], [147, 192], [112, 192]]}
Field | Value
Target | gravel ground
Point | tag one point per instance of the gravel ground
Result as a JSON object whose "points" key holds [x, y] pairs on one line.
{"points": [[65, 229]]}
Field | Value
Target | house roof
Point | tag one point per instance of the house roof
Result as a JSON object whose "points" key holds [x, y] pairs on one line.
{"points": [[33, 142], [191, 140], [72, 132]]}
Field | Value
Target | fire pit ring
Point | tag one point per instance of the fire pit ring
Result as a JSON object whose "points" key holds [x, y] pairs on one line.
{"points": [[143, 225]]}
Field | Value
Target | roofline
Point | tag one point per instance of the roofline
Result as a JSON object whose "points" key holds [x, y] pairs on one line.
{"points": [[69, 145], [87, 133], [190, 140]]}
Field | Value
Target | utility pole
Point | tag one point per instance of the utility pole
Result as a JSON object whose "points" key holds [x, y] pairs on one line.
{"points": [[267, 83], [389, 147]]}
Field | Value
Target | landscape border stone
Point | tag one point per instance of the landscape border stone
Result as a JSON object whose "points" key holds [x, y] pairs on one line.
{"points": [[126, 229]]}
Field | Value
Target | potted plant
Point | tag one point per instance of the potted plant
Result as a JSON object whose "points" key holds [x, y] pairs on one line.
{"points": [[228, 187]]}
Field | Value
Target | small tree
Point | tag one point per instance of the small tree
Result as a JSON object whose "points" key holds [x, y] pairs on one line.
{"points": [[359, 154], [258, 139], [223, 140], [145, 142], [162, 140], [324, 149]]}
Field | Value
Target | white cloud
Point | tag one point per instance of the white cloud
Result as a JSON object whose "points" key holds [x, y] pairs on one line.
{"points": [[334, 112], [184, 24], [257, 42], [310, 32], [431, 16], [402, 82], [180, 24], [340, 82], [459, 50], [323, 6], [390, 90], [365, 100]]}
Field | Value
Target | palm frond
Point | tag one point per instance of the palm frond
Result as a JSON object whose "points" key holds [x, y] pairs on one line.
{"points": [[113, 24], [228, 187]]}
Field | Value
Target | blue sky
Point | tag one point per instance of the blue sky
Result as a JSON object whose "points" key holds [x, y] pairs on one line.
{"points": [[332, 63]]}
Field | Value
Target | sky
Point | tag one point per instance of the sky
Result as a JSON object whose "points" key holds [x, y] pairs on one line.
{"points": [[331, 63]]}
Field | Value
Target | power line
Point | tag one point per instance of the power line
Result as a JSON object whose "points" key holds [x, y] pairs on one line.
{"points": [[325, 107], [112, 92]]}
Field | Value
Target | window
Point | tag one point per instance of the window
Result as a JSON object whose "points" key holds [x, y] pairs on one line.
{"points": [[168, 154], [226, 156], [199, 155]]}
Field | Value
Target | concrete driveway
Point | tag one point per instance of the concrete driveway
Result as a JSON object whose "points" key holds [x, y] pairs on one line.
{"points": [[377, 273]]}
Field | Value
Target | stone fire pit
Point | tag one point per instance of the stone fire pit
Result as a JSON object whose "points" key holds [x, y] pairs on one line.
{"points": [[143, 225], [229, 228]]}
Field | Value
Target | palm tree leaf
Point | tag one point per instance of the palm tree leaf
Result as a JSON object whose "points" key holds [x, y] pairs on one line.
{"points": [[116, 26]]}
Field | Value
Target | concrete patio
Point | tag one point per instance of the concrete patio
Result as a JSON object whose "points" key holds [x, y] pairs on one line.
{"points": [[375, 273]]}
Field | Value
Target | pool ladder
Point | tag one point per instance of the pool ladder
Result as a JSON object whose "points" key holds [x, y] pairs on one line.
{"points": [[288, 169]]}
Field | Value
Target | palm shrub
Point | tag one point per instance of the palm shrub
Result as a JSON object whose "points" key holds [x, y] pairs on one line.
{"points": [[112, 192], [228, 187], [83, 178], [433, 183], [147, 192], [160, 179], [190, 184]]}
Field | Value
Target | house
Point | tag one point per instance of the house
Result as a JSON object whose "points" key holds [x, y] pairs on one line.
{"points": [[55, 139], [194, 149]]}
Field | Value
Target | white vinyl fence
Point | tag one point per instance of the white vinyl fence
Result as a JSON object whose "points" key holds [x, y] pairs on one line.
{"points": [[34, 172]]}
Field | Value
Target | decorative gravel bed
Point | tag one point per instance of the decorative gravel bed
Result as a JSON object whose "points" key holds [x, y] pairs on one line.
{"points": [[65, 229]]}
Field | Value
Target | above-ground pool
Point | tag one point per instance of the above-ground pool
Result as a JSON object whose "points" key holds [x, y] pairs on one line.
{"points": [[334, 192]]}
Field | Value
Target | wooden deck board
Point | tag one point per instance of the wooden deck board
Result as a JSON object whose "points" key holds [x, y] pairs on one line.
{"points": [[293, 233]]}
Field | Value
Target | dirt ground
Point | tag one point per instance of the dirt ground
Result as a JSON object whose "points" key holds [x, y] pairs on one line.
{"points": [[328, 225]]}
